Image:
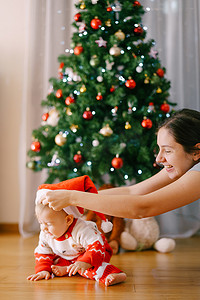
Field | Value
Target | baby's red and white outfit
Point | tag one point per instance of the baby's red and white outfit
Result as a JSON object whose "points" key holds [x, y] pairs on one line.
{"points": [[81, 242]]}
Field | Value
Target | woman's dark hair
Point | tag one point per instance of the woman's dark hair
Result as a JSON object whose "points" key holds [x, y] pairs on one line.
{"points": [[184, 126]]}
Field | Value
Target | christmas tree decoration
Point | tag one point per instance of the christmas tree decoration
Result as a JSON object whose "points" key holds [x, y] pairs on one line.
{"points": [[60, 139], [130, 83], [117, 162], [106, 130], [115, 51], [78, 158], [95, 143], [45, 116], [99, 97], [95, 23], [146, 123], [160, 72], [109, 79], [78, 50], [127, 126], [136, 3], [77, 17], [120, 35], [74, 128], [101, 42], [83, 89], [36, 146], [165, 107], [69, 100], [31, 165], [59, 93], [94, 61], [87, 115]]}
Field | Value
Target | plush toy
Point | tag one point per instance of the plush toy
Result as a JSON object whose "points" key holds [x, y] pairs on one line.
{"points": [[141, 234], [113, 237]]}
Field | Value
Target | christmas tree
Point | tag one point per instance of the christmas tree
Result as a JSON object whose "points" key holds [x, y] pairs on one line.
{"points": [[104, 107]]}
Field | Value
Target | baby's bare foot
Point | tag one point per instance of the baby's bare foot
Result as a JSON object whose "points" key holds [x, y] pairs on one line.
{"points": [[115, 278], [59, 270]]}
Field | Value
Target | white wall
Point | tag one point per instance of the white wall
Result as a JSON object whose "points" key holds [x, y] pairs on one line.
{"points": [[12, 38]]}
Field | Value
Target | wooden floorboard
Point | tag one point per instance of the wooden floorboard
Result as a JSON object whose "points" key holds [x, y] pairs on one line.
{"points": [[150, 275]]}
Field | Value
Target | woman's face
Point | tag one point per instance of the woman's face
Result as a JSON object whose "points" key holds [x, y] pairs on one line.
{"points": [[172, 155]]}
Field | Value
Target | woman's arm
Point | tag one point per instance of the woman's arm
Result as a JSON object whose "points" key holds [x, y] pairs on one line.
{"points": [[147, 186], [183, 191]]}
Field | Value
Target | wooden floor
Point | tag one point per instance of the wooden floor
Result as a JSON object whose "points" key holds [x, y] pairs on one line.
{"points": [[151, 275]]}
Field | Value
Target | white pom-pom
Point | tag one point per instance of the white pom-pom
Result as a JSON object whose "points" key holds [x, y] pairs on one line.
{"points": [[106, 226], [165, 245]]}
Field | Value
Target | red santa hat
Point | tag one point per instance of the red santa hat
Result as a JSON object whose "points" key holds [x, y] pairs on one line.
{"points": [[83, 184]]}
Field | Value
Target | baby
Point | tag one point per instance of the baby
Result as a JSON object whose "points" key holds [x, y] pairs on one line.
{"points": [[68, 245]]}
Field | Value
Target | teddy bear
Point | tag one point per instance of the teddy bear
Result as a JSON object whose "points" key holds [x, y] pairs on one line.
{"points": [[113, 237], [142, 234]]}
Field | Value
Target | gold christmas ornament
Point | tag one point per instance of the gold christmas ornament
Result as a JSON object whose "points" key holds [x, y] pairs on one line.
{"points": [[127, 126], [83, 89], [74, 128], [115, 51], [106, 130], [82, 6], [108, 23], [68, 111], [146, 81], [120, 35], [60, 140], [158, 91]]}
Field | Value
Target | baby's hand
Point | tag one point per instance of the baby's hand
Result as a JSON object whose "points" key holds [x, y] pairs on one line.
{"points": [[78, 265], [40, 275]]}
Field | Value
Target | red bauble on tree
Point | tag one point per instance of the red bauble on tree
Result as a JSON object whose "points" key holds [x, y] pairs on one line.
{"points": [[69, 100], [99, 97], [136, 3], [146, 123], [95, 23], [45, 116], [165, 107], [78, 158], [36, 146], [138, 30], [130, 83], [77, 17], [160, 72], [78, 50], [109, 8], [59, 93], [87, 115], [112, 89], [117, 162]]}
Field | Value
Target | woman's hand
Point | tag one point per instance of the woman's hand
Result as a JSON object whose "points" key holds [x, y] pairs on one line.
{"points": [[56, 199]]}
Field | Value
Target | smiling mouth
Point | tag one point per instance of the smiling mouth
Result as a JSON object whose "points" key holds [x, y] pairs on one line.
{"points": [[168, 167]]}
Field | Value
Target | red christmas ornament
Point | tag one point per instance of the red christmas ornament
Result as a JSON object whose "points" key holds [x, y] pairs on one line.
{"points": [[69, 100], [160, 72], [95, 23], [112, 89], [146, 123], [59, 93], [36, 146], [130, 83], [61, 66], [78, 50], [138, 30], [109, 9], [165, 107], [45, 116], [136, 3], [117, 162], [99, 97], [77, 17], [87, 115], [78, 158]]}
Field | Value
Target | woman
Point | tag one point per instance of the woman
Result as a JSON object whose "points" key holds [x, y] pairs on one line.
{"points": [[176, 185]]}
